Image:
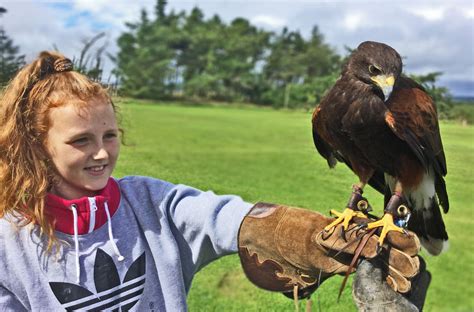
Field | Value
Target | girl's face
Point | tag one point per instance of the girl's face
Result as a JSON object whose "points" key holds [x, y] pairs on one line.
{"points": [[84, 146]]}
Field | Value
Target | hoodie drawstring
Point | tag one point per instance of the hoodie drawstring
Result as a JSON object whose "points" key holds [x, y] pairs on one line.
{"points": [[76, 243], [76, 238], [111, 235]]}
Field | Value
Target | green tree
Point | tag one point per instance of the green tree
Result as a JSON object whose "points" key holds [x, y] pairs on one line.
{"points": [[296, 67], [185, 55], [323, 67], [320, 58], [10, 59], [243, 46], [146, 60], [160, 10], [219, 60], [200, 73], [284, 66]]}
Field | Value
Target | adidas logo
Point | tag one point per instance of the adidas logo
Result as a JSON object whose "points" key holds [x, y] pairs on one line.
{"points": [[110, 292]]}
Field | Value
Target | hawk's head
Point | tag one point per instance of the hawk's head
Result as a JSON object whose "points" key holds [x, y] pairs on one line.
{"points": [[377, 64]]}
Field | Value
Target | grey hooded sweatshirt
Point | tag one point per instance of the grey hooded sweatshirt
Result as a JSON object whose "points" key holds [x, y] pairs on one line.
{"points": [[134, 247]]}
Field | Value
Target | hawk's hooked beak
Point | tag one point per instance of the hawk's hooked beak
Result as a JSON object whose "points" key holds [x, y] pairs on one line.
{"points": [[385, 83]]}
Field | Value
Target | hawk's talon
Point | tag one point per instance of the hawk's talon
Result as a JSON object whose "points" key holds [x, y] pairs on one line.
{"points": [[343, 235], [360, 232], [360, 227], [387, 225], [325, 235], [344, 218]]}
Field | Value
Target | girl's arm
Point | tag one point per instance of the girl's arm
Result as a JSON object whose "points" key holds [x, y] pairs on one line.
{"points": [[205, 224]]}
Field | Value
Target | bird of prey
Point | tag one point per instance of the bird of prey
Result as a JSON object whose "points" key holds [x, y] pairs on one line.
{"points": [[384, 126]]}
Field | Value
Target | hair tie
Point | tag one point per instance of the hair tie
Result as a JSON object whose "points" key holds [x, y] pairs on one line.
{"points": [[62, 65]]}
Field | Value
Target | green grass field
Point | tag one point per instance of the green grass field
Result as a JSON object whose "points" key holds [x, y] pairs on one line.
{"points": [[267, 155]]}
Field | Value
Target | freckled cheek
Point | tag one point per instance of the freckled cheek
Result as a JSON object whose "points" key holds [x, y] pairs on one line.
{"points": [[76, 163], [114, 151], [71, 158]]}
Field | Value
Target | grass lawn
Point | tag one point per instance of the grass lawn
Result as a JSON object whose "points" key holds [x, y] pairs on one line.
{"points": [[267, 155]]}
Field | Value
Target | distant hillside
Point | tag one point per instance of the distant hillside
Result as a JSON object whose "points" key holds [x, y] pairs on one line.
{"points": [[464, 99]]}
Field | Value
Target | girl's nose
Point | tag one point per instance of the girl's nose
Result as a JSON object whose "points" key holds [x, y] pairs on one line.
{"points": [[101, 153]]}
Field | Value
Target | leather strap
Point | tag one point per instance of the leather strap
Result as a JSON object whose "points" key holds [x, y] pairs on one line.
{"points": [[357, 253]]}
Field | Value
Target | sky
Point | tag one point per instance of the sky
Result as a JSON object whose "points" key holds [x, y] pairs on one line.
{"points": [[430, 35]]}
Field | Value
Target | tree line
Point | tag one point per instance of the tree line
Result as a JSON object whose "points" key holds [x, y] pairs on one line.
{"points": [[180, 55]]}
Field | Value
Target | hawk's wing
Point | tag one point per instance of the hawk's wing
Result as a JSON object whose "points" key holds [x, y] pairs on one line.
{"points": [[413, 118], [377, 181], [322, 146]]}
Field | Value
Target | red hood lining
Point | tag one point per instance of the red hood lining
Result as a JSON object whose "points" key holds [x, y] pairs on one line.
{"points": [[60, 209]]}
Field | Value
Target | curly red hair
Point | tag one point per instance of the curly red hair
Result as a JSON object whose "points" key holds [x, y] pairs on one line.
{"points": [[26, 172]]}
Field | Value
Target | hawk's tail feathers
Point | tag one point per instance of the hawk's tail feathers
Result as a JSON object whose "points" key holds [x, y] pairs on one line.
{"points": [[428, 224]]}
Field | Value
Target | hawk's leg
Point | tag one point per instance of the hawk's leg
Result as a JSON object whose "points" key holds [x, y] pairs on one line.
{"points": [[395, 208], [357, 206]]}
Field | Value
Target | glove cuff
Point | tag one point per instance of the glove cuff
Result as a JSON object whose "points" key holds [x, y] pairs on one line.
{"points": [[275, 243]]}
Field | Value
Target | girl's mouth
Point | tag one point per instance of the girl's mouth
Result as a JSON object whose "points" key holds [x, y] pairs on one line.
{"points": [[96, 170]]}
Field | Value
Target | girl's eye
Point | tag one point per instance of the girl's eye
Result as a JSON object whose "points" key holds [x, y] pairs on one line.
{"points": [[80, 141], [109, 136]]}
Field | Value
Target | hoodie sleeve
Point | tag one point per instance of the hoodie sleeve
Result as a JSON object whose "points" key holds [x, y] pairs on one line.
{"points": [[205, 224], [8, 302]]}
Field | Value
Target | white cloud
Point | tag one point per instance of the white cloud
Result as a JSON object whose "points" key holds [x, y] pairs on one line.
{"points": [[115, 13], [430, 14], [94, 6], [352, 21], [35, 28], [469, 13], [270, 21]]}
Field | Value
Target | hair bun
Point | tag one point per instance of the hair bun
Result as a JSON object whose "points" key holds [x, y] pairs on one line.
{"points": [[62, 65]]}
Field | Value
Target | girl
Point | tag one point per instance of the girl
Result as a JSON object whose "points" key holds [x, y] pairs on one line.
{"points": [[74, 238]]}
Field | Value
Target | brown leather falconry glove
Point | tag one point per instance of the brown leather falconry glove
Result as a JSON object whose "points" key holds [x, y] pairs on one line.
{"points": [[286, 249]]}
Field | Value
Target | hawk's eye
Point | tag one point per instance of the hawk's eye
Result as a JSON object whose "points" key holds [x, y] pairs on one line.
{"points": [[374, 70]]}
